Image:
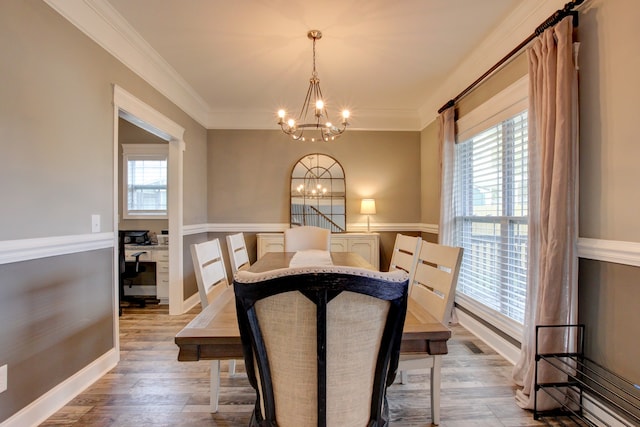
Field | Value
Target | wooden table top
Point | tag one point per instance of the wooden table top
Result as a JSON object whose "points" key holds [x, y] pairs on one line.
{"points": [[214, 335]]}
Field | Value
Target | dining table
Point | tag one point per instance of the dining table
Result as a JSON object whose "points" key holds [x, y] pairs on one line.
{"points": [[214, 334]]}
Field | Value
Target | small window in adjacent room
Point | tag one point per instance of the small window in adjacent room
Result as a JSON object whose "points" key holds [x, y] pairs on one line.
{"points": [[144, 169]]}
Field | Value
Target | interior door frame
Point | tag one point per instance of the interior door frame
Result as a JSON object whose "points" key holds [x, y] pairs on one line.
{"points": [[135, 111]]}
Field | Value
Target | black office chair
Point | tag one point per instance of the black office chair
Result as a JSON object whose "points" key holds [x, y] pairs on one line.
{"points": [[128, 272]]}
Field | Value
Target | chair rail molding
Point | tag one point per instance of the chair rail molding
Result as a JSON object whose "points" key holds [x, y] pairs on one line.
{"points": [[279, 227], [28, 249], [614, 251]]}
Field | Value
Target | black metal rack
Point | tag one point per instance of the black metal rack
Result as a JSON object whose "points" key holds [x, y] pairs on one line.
{"points": [[589, 394]]}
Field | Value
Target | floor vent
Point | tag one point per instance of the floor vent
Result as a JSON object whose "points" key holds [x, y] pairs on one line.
{"points": [[472, 347]]}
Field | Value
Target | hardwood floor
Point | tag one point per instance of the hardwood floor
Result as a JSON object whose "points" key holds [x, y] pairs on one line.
{"points": [[149, 387]]}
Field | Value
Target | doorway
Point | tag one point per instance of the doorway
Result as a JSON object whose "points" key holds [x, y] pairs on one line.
{"points": [[136, 112]]}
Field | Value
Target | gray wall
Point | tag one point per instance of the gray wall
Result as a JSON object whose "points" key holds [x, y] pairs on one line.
{"points": [[56, 170], [250, 174], [56, 317], [609, 177]]}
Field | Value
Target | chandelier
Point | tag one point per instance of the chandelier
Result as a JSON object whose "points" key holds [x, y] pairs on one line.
{"points": [[313, 115]]}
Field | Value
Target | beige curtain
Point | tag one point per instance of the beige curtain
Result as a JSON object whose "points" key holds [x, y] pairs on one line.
{"points": [[552, 275], [447, 166]]}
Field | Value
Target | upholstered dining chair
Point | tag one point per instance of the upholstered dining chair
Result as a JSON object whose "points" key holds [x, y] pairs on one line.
{"points": [[434, 288], [306, 237], [211, 277], [321, 344], [238, 254]]}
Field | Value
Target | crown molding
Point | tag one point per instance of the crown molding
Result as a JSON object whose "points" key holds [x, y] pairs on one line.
{"points": [[104, 25], [518, 25], [362, 119]]}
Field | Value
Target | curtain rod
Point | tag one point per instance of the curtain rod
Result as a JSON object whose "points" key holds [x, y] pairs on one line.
{"points": [[558, 16]]}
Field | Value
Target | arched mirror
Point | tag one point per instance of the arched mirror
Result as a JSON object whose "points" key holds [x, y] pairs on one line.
{"points": [[318, 193]]}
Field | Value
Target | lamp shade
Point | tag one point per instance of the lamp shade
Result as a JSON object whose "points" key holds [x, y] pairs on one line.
{"points": [[368, 207]]}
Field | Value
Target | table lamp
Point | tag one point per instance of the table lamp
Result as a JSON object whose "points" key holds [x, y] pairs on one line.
{"points": [[368, 208]]}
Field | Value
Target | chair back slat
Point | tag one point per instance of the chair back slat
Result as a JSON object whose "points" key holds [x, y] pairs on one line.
{"points": [[436, 277], [405, 255], [238, 254], [210, 271]]}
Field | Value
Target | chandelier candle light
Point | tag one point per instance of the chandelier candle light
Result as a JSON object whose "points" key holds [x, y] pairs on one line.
{"points": [[313, 116]]}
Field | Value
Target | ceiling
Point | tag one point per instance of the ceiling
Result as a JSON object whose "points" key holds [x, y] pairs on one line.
{"points": [[235, 63]]}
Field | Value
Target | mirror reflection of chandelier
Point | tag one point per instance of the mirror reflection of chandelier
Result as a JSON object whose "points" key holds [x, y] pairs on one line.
{"points": [[313, 115], [312, 190]]}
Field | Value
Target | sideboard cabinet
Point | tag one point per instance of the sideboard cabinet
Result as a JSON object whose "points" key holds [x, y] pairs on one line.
{"points": [[366, 245]]}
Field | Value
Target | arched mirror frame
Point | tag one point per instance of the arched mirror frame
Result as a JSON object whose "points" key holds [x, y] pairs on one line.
{"points": [[318, 193]]}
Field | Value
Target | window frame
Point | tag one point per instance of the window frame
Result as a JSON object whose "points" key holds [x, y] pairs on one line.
{"points": [[508, 103], [142, 152]]}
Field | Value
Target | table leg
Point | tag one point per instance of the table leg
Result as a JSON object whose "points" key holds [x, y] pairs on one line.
{"points": [[214, 386], [435, 389]]}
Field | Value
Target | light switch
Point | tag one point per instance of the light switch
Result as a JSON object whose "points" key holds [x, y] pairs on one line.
{"points": [[3, 378], [95, 223]]}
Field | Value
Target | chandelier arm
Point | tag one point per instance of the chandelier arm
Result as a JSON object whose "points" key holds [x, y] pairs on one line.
{"points": [[314, 94]]}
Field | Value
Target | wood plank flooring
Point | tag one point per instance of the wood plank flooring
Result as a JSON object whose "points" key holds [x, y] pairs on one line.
{"points": [[149, 387]]}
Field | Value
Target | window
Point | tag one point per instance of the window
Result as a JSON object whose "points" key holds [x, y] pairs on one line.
{"points": [[491, 210], [145, 180]]}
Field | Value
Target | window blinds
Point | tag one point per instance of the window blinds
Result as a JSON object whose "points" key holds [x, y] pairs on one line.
{"points": [[491, 212]]}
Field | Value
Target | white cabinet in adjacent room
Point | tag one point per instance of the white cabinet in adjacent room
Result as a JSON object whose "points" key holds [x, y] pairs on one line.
{"points": [[156, 258]]}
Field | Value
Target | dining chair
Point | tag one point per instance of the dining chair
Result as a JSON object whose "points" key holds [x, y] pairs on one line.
{"points": [[405, 255], [433, 288], [238, 254], [306, 237], [321, 344], [239, 259], [211, 277]]}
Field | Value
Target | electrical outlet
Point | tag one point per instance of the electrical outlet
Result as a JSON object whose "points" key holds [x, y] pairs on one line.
{"points": [[95, 223], [3, 378]]}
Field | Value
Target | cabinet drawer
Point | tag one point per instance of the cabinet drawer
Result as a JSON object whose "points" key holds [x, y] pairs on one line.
{"points": [[160, 256], [162, 267]]}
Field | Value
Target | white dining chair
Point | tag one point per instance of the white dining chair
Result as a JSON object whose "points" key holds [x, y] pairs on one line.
{"points": [[238, 254], [307, 237], [433, 287], [405, 254], [211, 277]]}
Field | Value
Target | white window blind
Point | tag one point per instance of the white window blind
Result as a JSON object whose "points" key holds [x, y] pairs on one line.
{"points": [[145, 181], [491, 214]]}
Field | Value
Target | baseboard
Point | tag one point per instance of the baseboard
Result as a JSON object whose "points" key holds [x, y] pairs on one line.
{"points": [[597, 415], [503, 347], [56, 398]]}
